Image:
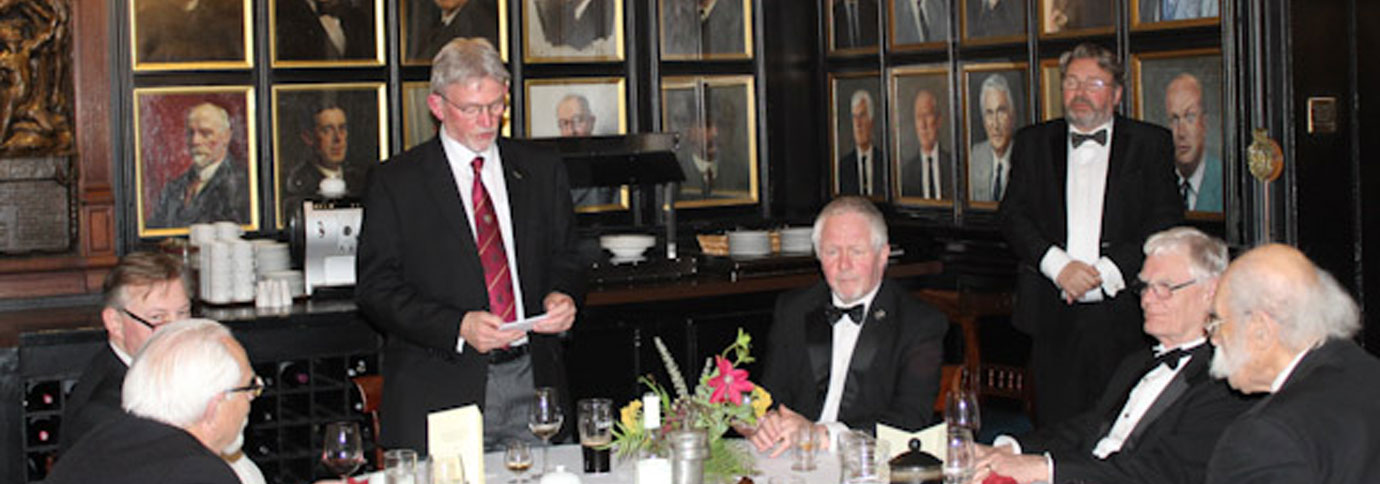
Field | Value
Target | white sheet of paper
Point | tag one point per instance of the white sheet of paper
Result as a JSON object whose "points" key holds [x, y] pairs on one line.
{"points": [[523, 325], [931, 439], [459, 431]]}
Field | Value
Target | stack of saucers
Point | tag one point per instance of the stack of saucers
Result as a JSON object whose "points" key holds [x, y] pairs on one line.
{"points": [[270, 256], [749, 243], [796, 240], [242, 270], [217, 283], [200, 234], [226, 230]]}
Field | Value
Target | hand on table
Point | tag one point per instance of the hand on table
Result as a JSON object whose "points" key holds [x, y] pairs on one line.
{"points": [[480, 330], [1023, 468], [776, 431], [1076, 279], [560, 313]]}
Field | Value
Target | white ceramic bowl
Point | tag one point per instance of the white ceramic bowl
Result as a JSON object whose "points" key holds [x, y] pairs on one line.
{"points": [[627, 246]]}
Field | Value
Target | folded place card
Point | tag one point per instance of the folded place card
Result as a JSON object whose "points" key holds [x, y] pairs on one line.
{"points": [[931, 439], [458, 432]]}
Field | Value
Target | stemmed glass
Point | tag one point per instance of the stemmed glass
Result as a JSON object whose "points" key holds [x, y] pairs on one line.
{"points": [[517, 457], [958, 467], [961, 406], [342, 453], [545, 420]]}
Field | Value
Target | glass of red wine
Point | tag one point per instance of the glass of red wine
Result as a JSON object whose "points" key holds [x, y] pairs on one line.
{"points": [[342, 452]]}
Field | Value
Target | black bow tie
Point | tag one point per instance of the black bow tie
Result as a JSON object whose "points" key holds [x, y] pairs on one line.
{"points": [[1171, 358], [834, 313], [1078, 138]]}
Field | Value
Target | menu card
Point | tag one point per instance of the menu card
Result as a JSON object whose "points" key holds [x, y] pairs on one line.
{"points": [[459, 432], [931, 439]]}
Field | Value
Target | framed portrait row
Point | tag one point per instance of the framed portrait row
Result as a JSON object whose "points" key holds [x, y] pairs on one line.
{"points": [[941, 150], [925, 24]]}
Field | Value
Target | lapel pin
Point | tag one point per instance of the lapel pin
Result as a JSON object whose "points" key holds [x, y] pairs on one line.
{"points": [[879, 314]]}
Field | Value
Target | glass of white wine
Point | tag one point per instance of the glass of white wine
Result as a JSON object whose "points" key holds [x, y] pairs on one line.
{"points": [[517, 457], [545, 420]]}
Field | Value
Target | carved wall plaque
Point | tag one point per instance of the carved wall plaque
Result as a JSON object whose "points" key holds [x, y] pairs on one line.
{"points": [[35, 78]]}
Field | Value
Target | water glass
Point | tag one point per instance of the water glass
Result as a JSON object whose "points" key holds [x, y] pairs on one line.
{"points": [[958, 464], [864, 459], [400, 466], [806, 442], [447, 470]]}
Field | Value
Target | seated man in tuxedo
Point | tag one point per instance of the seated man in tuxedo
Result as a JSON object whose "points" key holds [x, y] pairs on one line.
{"points": [[855, 349], [186, 399], [1284, 327], [1160, 416]]}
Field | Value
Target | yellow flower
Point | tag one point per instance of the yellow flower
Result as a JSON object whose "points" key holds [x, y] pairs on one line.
{"points": [[630, 415], [761, 401]]}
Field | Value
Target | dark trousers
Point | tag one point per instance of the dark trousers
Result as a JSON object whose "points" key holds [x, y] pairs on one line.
{"points": [[1076, 350]]}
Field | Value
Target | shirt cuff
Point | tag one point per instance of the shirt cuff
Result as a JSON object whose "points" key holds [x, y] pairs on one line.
{"points": [[836, 429], [1112, 280], [1049, 468], [1053, 263], [1007, 440], [459, 344]]}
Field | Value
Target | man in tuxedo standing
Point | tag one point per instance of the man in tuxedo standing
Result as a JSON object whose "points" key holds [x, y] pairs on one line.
{"points": [[853, 350], [1161, 414], [462, 234], [927, 174], [1284, 328], [1085, 192], [862, 170]]}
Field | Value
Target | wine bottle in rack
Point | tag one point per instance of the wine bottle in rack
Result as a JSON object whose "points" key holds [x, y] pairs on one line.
{"points": [[43, 395], [294, 374], [360, 365], [42, 430]]}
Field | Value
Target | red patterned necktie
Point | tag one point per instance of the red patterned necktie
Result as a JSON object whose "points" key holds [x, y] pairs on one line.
{"points": [[492, 254]]}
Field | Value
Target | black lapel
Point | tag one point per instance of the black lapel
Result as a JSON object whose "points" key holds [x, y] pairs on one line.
{"points": [[876, 330], [1191, 374], [440, 183], [1058, 139], [1117, 161], [819, 338], [520, 203]]}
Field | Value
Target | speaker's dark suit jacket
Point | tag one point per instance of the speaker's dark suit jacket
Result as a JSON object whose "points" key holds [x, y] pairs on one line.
{"points": [[300, 35], [893, 376], [137, 450], [419, 273], [1080, 345], [95, 399], [1320, 427], [849, 184], [1170, 444]]}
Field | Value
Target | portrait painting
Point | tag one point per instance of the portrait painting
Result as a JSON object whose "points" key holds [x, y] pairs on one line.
{"points": [[1154, 14], [702, 29], [181, 34], [922, 136], [853, 26], [1051, 90], [993, 21], [996, 106], [918, 23], [1061, 18], [585, 106], [418, 123], [194, 158], [428, 25], [715, 119], [572, 30], [327, 33], [859, 160], [325, 132], [1182, 91]]}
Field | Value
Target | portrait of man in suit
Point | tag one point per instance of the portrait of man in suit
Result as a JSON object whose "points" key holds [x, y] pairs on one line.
{"points": [[1167, 10], [927, 173], [692, 28], [1199, 169], [321, 30], [714, 149], [854, 24], [574, 118], [215, 185], [562, 28], [989, 160], [325, 134], [433, 23], [861, 166], [189, 31], [994, 18], [1066, 15], [920, 21]]}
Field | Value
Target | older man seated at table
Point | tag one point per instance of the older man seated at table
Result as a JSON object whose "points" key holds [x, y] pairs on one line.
{"points": [[1161, 415], [1285, 328], [855, 349], [187, 398]]}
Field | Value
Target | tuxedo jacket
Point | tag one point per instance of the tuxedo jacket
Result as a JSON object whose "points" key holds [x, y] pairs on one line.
{"points": [[95, 399], [224, 197], [849, 184], [866, 36], [1320, 427], [419, 273], [300, 35], [136, 450], [913, 182], [893, 376], [1141, 198], [478, 18], [1170, 444]]}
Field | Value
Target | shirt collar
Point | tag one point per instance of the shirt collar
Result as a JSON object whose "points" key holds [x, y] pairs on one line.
{"points": [[461, 155], [1196, 179], [866, 300], [1189, 346], [119, 353], [205, 174], [933, 153], [1288, 370]]}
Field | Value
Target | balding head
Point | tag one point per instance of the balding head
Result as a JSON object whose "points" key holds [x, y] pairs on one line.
{"points": [[1183, 103]]}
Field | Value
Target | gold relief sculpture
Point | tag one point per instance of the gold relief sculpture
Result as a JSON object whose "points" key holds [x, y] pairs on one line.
{"points": [[35, 101]]}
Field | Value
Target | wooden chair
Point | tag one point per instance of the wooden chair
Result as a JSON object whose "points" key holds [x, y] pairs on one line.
{"points": [[965, 308], [371, 393]]}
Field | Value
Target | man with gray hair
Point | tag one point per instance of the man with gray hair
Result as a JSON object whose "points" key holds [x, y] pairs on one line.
{"points": [[1158, 419], [1284, 327], [810, 368], [863, 170], [215, 187], [187, 395], [461, 235]]}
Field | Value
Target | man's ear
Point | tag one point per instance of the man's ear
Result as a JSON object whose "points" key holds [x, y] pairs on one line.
{"points": [[114, 327]]}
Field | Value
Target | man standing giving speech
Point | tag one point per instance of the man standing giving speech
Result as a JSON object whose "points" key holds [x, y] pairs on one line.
{"points": [[461, 234], [1085, 193]]}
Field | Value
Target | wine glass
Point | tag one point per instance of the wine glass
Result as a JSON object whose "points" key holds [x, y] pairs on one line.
{"points": [[517, 457], [342, 453], [961, 405], [545, 420], [958, 467]]}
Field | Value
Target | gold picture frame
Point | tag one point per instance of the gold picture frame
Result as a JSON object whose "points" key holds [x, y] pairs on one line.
{"points": [[859, 36], [363, 110], [1051, 90], [908, 27], [866, 88], [975, 28], [580, 106], [913, 118], [724, 34], [1144, 16], [979, 155], [1075, 18], [166, 36], [1197, 123], [421, 38], [596, 37], [310, 45], [716, 117]]}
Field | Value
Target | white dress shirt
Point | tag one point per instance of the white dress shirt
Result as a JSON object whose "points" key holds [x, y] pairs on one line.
{"points": [[459, 157], [846, 333], [1194, 181], [1085, 193], [865, 170]]}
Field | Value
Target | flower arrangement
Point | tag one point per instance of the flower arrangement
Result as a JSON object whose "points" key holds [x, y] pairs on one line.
{"points": [[724, 398]]}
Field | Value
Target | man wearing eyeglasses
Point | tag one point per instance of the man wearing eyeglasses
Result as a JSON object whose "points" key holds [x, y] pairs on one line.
{"points": [[1161, 413], [1085, 192], [462, 234], [187, 398]]}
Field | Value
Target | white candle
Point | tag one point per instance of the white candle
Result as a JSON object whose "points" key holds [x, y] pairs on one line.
{"points": [[651, 411]]}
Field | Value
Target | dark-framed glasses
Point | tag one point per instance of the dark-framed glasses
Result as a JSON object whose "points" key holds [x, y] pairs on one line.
{"points": [[254, 388], [496, 108], [1162, 290]]}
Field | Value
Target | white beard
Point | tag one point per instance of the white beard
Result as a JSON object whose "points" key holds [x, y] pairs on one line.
{"points": [[234, 446], [1224, 363]]}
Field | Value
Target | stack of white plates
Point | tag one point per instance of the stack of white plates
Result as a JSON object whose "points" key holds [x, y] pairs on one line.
{"points": [[627, 247], [228, 230], [296, 285], [242, 270], [217, 286], [270, 256], [749, 243], [200, 234], [796, 240]]}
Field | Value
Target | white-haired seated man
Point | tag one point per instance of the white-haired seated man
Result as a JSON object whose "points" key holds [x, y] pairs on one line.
{"points": [[186, 399]]}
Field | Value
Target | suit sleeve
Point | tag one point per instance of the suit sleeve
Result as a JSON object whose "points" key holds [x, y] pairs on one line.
{"points": [[1015, 211], [781, 361], [1162, 206], [917, 383], [1259, 450]]}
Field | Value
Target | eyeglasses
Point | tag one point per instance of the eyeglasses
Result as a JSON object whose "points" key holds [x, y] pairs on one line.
{"points": [[1161, 290], [154, 323], [1092, 85], [496, 108], [254, 388], [572, 122]]}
